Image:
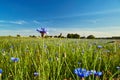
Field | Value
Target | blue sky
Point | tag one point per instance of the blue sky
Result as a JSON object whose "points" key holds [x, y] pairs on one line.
{"points": [[98, 17]]}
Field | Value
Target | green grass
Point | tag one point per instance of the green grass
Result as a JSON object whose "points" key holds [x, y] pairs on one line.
{"points": [[55, 59]]}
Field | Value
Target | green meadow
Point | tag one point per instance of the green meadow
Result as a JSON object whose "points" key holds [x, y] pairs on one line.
{"points": [[56, 59]]}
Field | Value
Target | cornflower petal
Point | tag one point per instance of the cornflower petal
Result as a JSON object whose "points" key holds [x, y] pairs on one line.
{"points": [[14, 59], [1, 71], [99, 73], [36, 73]]}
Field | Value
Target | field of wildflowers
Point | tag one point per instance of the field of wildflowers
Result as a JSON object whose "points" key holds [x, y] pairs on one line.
{"points": [[58, 59]]}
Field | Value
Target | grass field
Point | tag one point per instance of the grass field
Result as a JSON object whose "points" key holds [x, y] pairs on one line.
{"points": [[56, 59]]}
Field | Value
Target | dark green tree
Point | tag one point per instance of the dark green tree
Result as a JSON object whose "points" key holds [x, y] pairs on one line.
{"points": [[91, 37], [18, 35], [73, 36]]}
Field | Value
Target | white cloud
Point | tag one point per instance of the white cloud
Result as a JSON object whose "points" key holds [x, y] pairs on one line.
{"points": [[13, 22], [35, 21], [18, 22], [21, 32], [88, 14]]}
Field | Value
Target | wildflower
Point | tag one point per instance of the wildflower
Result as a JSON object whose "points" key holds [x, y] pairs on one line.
{"points": [[81, 72], [92, 72], [98, 73], [84, 73], [1, 74], [1, 71], [36, 73], [99, 46], [14, 59], [42, 31], [118, 67]]}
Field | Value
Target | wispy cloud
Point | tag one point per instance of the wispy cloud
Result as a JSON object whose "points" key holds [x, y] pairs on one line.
{"points": [[1, 21], [100, 12], [13, 21], [18, 22], [21, 32], [88, 14], [42, 21], [36, 22]]}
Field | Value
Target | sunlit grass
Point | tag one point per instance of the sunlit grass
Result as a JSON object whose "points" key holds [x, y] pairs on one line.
{"points": [[56, 59]]}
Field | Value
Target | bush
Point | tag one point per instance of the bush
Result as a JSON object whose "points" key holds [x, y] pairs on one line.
{"points": [[91, 37]]}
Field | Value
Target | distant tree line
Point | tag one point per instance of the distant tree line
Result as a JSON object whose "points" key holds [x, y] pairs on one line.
{"points": [[72, 36]]}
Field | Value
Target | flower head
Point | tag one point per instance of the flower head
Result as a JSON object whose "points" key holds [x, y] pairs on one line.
{"points": [[98, 73], [14, 59], [99, 46], [42, 30], [118, 67], [94, 72], [1, 71], [36, 73], [81, 72], [84, 73]]}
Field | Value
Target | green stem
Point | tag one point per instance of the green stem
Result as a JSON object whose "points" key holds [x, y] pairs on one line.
{"points": [[15, 71], [0, 76], [82, 78]]}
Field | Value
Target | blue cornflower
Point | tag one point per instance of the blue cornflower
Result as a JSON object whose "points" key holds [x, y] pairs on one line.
{"points": [[36, 73], [14, 59], [81, 72], [1, 71], [98, 73], [92, 72], [42, 30], [99, 46]]}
